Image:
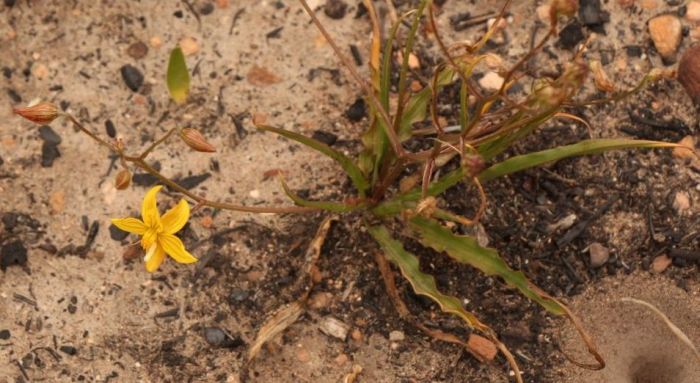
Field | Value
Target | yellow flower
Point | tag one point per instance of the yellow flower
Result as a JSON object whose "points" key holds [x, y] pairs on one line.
{"points": [[157, 233]]}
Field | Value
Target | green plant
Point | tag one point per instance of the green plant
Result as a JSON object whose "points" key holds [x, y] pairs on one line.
{"points": [[471, 153]]}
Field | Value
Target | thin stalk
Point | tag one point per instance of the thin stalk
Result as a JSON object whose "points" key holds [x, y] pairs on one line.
{"points": [[139, 161]]}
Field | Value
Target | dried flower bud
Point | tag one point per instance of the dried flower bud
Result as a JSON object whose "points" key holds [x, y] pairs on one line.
{"points": [[426, 207], [601, 79], [195, 140], [123, 179], [563, 7], [42, 113]]}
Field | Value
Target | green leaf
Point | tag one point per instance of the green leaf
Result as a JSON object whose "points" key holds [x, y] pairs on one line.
{"points": [[466, 250], [346, 163], [525, 161], [178, 78], [325, 205], [422, 283]]}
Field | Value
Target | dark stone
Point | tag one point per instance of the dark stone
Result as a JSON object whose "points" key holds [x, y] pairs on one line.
{"points": [[13, 253], [111, 130], [335, 9], [325, 137], [7, 72], [4, 334], [49, 153], [72, 308], [633, 51], [49, 135], [133, 78], [178, 14], [10, 3], [590, 13], [70, 350], [1, 161], [137, 50], [218, 338], [357, 111], [571, 35], [193, 181], [206, 8], [14, 95], [117, 234]]}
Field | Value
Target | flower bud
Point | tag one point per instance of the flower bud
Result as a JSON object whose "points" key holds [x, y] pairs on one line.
{"points": [[42, 113], [195, 140], [123, 179]]}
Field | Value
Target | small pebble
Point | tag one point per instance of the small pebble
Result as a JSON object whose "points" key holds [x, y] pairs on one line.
{"points": [[335, 9], [660, 263], [49, 135], [303, 355], [215, 336], [334, 327], [666, 32], [4, 334], [481, 347], [133, 78], [491, 81], [599, 254], [238, 295], [693, 12], [137, 50], [189, 46], [396, 336], [681, 202]]}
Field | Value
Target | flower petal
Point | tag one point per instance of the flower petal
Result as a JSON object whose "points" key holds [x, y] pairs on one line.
{"points": [[154, 258], [174, 247], [149, 209], [131, 225], [174, 219]]}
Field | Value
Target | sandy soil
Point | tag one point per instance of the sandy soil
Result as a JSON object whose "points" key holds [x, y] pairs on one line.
{"points": [[96, 317]]}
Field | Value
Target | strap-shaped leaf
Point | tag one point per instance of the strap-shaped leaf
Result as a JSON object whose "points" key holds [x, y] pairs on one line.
{"points": [[529, 160], [466, 250], [422, 283], [178, 77], [346, 163]]}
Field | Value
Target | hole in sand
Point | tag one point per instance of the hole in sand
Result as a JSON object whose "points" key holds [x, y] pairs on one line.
{"points": [[636, 344]]}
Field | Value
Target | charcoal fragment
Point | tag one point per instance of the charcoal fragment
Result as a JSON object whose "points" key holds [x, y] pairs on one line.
{"points": [[133, 78], [13, 253]]}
